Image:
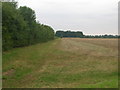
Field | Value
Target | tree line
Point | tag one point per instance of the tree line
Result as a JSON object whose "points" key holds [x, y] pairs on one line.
{"points": [[102, 36], [81, 35], [20, 28], [69, 34]]}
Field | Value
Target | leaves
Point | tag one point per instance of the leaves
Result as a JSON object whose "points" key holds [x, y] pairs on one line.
{"points": [[20, 27]]}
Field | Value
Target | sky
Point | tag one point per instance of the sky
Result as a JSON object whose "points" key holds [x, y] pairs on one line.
{"points": [[89, 16]]}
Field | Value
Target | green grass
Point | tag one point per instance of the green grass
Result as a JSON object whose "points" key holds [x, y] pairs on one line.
{"points": [[62, 63]]}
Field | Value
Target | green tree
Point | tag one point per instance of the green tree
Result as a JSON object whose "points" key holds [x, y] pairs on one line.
{"points": [[20, 27]]}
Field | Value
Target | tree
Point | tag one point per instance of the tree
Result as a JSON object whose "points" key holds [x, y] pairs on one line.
{"points": [[69, 34], [20, 27]]}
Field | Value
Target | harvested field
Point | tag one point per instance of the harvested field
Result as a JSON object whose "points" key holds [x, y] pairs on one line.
{"points": [[63, 63]]}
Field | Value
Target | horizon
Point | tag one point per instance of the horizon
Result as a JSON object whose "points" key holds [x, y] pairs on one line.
{"points": [[87, 34]]}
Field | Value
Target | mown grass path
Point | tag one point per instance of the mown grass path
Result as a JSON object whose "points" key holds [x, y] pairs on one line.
{"points": [[66, 62]]}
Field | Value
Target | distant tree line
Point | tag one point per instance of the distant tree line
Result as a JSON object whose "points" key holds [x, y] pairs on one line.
{"points": [[20, 28], [69, 34], [102, 36], [81, 35]]}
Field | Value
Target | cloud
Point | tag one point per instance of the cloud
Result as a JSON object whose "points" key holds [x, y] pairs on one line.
{"points": [[90, 16]]}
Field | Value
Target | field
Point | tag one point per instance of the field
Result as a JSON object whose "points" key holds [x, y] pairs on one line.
{"points": [[63, 63]]}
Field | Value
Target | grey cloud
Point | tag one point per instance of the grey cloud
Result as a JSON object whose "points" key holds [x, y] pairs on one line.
{"points": [[89, 16]]}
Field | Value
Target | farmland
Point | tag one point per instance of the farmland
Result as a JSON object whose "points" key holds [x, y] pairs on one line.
{"points": [[63, 63]]}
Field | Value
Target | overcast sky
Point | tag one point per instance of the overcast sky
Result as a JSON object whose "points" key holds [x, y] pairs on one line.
{"points": [[88, 16]]}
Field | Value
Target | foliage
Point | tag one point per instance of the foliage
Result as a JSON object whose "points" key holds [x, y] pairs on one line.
{"points": [[80, 34], [102, 36], [20, 27], [69, 34]]}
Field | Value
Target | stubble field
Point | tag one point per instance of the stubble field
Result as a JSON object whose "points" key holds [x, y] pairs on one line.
{"points": [[63, 63]]}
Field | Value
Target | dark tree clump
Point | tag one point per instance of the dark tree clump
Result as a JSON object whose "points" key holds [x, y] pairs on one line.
{"points": [[69, 34], [20, 28]]}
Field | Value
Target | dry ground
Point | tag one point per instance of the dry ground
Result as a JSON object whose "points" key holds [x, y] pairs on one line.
{"points": [[66, 63]]}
